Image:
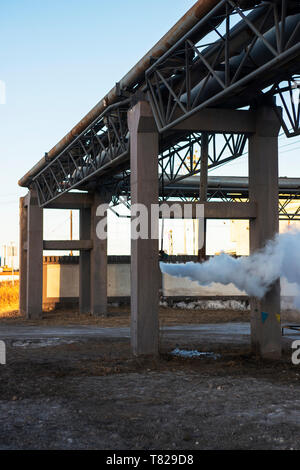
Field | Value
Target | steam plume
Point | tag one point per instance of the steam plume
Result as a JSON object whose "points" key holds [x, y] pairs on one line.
{"points": [[253, 274]]}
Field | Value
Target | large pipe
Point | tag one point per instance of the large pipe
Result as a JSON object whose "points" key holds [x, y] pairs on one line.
{"points": [[133, 77], [259, 56], [225, 182]]}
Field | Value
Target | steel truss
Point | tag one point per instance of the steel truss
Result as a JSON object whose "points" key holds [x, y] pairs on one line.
{"points": [[288, 93], [228, 58], [181, 161], [103, 144], [231, 59]]}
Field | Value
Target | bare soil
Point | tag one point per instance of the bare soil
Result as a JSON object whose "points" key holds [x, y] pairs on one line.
{"points": [[93, 394], [120, 316]]}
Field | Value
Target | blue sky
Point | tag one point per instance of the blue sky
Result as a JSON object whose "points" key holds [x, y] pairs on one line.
{"points": [[58, 58]]}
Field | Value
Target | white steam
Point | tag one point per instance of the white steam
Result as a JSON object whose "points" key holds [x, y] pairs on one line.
{"points": [[253, 274]]}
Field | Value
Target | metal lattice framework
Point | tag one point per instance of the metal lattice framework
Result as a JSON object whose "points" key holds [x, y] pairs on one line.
{"points": [[289, 99], [225, 64], [238, 55], [105, 143], [181, 161]]}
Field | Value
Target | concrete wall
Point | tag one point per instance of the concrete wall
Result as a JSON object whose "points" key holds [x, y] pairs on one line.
{"points": [[61, 279], [61, 282]]}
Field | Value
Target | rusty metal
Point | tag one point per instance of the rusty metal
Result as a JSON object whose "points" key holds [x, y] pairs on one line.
{"points": [[131, 80]]}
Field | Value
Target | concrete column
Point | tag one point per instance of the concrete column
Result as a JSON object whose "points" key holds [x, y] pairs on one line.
{"points": [[85, 262], [203, 189], [34, 300], [23, 257], [263, 189], [144, 252], [98, 262]]}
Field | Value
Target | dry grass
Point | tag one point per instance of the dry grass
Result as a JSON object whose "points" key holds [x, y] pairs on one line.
{"points": [[118, 316], [9, 298]]}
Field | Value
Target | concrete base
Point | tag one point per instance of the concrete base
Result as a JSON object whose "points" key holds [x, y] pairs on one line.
{"points": [[266, 324]]}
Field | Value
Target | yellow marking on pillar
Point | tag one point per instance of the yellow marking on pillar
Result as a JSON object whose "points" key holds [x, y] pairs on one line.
{"points": [[278, 317]]}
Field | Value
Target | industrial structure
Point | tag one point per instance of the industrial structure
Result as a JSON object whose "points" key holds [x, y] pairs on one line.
{"points": [[222, 79]]}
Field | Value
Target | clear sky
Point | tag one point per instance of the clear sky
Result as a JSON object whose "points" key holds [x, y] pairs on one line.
{"points": [[58, 58]]}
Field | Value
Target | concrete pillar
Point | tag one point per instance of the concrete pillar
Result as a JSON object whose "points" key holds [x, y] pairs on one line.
{"points": [[144, 252], [34, 298], [203, 189], [98, 271], [263, 189], [85, 262], [23, 257]]}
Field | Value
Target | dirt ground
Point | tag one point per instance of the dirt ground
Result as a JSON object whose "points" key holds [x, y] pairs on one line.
{"points": [[120, 316], [93, 394]]}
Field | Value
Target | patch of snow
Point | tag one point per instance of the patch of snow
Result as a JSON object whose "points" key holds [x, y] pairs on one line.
{"points": [[194, 353], [40, 343], [213, 305]]}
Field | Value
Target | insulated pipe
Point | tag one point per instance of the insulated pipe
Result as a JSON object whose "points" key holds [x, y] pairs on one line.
{"points": [[132, 78], [259, 56], [237, 182]]}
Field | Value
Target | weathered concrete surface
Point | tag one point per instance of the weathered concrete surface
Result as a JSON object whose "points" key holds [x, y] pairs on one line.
{"points": [[98, 277], [22, 257], [34, 295], [144, 251], [263, 190], [84, 264]]}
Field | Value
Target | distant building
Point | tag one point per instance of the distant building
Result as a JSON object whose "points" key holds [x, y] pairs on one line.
{"points": [[9, 256]]}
